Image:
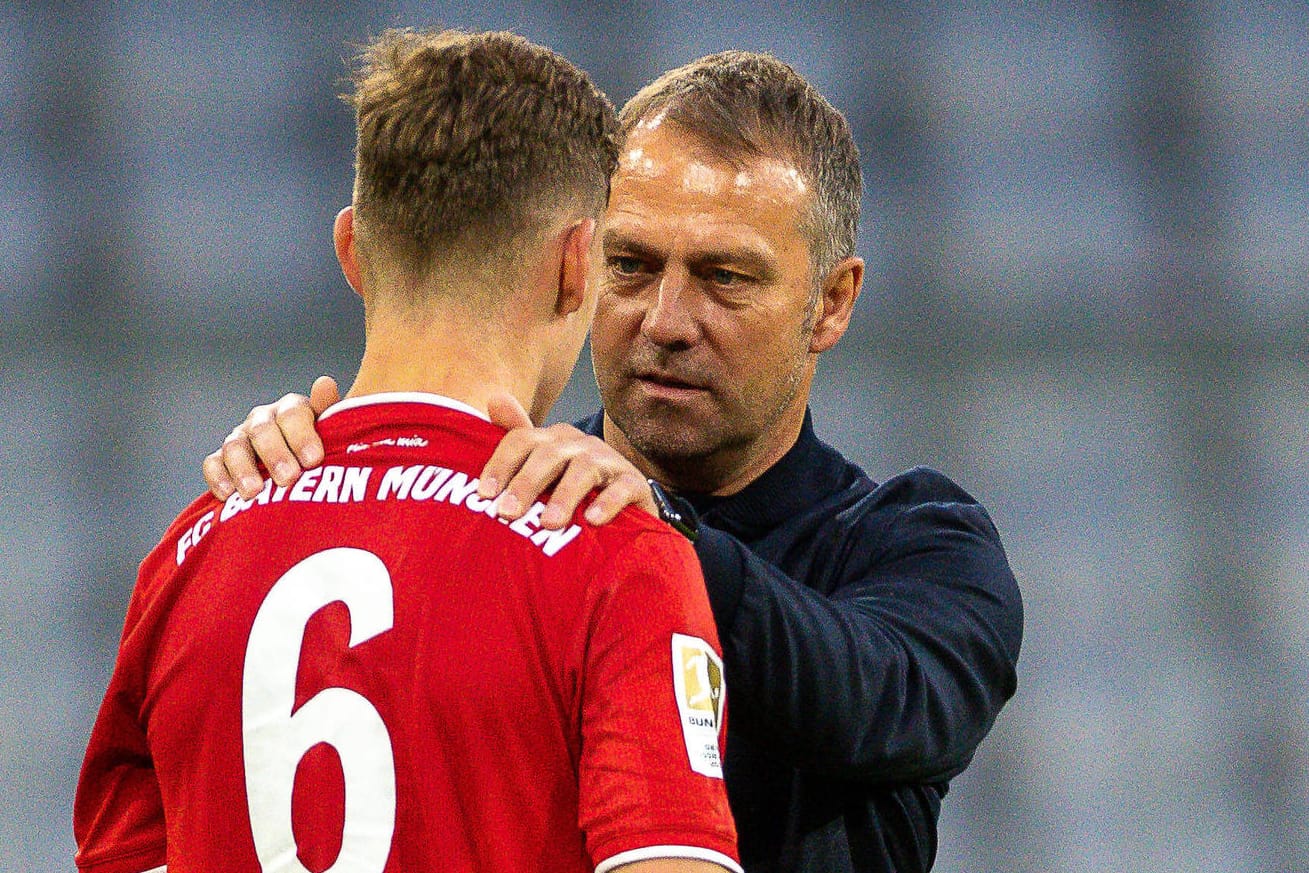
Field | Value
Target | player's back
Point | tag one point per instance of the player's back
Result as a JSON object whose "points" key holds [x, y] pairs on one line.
{"points": [[368, 666]]}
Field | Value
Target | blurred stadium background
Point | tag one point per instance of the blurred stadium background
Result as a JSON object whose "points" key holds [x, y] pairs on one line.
{"points": [[1086, 228]]}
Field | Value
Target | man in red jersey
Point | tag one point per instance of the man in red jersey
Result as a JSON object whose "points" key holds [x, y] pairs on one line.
{"points": [[303, 682]]}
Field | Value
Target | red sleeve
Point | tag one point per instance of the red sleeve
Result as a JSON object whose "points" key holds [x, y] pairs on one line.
{"points": [[653, 722], [118, 814]]}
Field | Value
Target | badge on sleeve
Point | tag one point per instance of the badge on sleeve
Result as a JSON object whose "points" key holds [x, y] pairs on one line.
{"points": [[698, 683]]}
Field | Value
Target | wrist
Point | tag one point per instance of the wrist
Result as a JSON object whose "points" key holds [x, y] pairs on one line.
{"points": [[675, 512]]}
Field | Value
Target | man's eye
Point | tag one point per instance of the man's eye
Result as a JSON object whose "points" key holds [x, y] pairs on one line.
{"points": [[725, 277], [625, 266]]}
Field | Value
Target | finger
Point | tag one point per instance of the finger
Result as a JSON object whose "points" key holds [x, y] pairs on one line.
{"points": [[295, 417], [626, 489], [220, 482], [269, 443], [323, 394], [505, 411], [239, 458], [576, 482], [505, 461], [539, 472]]}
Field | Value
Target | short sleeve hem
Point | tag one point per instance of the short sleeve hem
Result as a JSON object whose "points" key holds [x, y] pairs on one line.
{"points": [[648, 853], [135, 862]]}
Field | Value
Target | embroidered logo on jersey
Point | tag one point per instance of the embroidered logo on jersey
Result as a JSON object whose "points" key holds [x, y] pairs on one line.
{"points": [[698, 684], [404, 442]]}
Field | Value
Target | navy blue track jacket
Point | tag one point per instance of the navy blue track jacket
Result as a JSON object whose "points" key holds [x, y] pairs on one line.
{"points": [[870, 637]]}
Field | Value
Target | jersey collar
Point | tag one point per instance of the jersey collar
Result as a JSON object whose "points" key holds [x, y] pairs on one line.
{"points": [[403, 397]]}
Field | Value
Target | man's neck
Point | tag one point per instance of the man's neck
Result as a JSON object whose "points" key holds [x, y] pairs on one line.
{"points": [[444, 357], [720, 474]]}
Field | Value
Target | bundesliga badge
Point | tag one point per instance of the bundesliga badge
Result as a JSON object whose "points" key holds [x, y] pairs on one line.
{"points": [[698, 683]]}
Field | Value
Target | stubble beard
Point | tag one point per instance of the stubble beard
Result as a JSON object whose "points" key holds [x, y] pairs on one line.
{"points": [[702, 455]]}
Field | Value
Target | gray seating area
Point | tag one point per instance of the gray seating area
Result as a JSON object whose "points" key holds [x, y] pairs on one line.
{"points": [[1087, 236]]}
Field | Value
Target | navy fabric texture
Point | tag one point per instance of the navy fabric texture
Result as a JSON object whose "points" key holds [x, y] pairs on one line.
{"points": [[871, 635]]}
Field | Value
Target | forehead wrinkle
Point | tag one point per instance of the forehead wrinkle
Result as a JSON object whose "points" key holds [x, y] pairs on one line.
{"points": [[671, 192], [618, 239], [740, 245]]}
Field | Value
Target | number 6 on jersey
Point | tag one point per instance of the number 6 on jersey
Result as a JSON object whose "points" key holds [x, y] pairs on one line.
{"points": [[275, 738]]}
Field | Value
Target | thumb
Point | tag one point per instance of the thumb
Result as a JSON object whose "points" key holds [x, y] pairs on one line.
{"points": [[323, 394], [507, 412]]}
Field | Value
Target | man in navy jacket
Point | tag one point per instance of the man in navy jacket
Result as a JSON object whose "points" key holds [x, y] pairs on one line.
{"points": [[870, 632]]}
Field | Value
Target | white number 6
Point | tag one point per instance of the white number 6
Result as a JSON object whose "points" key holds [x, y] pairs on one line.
{"points": [[275, 739]]}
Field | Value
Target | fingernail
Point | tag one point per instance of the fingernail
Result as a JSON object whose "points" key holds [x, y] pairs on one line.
{"points": [[593, 514], [225, 490], [251, 484], [508, 506], [282, 472], [552, 517], [312, 456], [488, 487]]}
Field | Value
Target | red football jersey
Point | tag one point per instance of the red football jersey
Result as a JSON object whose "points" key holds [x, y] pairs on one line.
{"points": [[369, 671]]}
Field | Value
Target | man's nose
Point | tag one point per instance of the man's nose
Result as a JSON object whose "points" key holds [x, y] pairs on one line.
{"points": [[670, 320]]}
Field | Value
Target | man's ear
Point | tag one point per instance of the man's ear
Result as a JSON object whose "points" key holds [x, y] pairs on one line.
{"points": [[836, 304], [574, 266], [343, 236]]}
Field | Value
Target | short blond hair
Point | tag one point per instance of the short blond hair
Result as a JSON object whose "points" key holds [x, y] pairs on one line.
{"points": [[467, 141]]}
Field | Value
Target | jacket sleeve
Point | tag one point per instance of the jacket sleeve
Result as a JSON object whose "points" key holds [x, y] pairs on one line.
{"points": [[898, 671]]}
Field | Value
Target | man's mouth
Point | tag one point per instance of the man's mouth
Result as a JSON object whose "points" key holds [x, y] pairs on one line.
{"points": [[668, 385]]}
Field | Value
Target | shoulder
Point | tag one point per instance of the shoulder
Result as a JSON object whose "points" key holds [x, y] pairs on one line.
{"points": [[924, 502], [162, 568], [918, 486], [634, 536], [581, 556], [639, 558], [916, 511], [187, 531], [846, 494], [922, 535], [914, 486], [647, 585]]}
